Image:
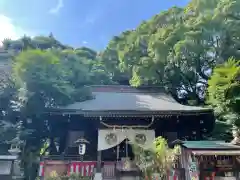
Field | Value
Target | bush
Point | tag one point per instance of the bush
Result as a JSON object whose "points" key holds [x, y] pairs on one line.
{"points": [[55, 176]]}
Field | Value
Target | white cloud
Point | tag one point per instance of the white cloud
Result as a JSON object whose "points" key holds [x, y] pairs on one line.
{"points": [[57, 8], [8, 29], [84, 42]]}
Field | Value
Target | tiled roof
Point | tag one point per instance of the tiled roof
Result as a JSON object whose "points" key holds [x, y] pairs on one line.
{"points": [[209, 145], [125, 98], [226, 152]]}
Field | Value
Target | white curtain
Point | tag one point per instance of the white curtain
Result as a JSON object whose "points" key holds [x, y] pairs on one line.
{"points": [[121, 135], [103, 144]]}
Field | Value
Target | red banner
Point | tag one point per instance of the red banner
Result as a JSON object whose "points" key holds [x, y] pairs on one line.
{"points": [[83, 168]]}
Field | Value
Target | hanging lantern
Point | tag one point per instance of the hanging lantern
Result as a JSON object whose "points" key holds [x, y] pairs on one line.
{"points": [[82, 145], [81, 149]]}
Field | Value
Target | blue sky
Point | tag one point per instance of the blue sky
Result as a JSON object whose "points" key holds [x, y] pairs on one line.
{"points": [[77, 22]]}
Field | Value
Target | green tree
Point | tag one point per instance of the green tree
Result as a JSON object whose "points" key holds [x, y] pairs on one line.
{"points": [[178, 48], [51, 78], [42, 75], [224, 94], [159, 159]]}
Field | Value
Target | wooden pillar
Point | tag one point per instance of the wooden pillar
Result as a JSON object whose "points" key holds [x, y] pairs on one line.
{"points": [[99, 154], [99, 161]]}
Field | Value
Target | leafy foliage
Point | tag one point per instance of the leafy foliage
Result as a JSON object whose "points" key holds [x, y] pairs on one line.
{"points": [[43, 73], [55, 176], [224, 92], [178, 48], [159, 159]]}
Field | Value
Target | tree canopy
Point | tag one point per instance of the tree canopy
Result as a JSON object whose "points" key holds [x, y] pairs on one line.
{"points": [[178, 47], [41, 73]]}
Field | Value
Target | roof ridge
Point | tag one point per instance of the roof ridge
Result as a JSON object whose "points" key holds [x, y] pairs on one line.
{"points": [[125, 88], [119, 85]]}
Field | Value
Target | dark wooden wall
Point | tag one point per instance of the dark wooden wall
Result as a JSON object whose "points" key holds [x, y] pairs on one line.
{"points": [[187, 127]]}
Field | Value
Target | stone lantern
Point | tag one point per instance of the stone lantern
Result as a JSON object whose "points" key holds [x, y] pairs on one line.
{"points": [[15, 148], [236, 136]]}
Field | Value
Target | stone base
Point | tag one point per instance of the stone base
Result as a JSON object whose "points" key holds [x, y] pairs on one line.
{"points": [[98, 176]]}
